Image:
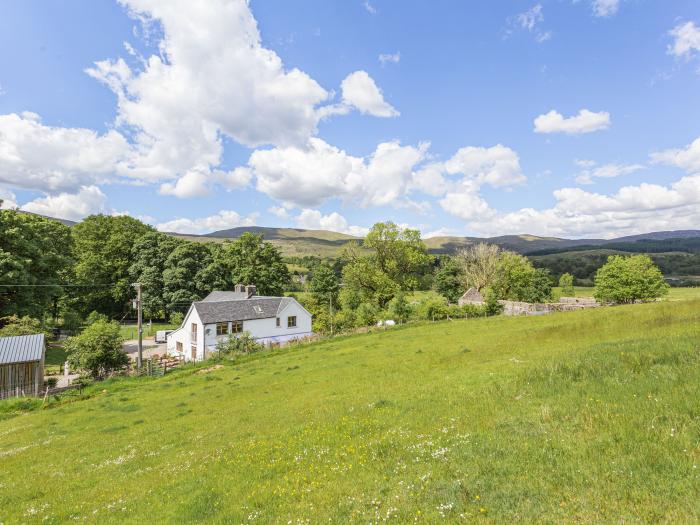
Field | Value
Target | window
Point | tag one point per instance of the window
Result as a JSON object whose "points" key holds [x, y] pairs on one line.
{"points": [[178, 347], [291, 321], [278, 322], [236, 327], [193, 333], [221, 328], [258, 309], [193, 352]]}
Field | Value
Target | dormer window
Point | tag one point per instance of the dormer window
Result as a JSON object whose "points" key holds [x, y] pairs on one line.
{"points": [[258, 309]]}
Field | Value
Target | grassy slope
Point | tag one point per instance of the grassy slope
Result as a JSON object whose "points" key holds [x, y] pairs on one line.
{"points": [[581, 417]]}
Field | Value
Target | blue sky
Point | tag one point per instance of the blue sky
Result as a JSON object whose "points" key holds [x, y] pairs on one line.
{"points": [[565, 118]]}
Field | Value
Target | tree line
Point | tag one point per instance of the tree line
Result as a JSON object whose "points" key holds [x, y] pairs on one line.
{"points": [[52, 271]]}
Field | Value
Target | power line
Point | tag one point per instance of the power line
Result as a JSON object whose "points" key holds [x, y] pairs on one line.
{"points": [[56, 284]]}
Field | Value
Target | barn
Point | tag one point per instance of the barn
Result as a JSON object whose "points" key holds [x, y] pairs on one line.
{"points": [[21, 365]]}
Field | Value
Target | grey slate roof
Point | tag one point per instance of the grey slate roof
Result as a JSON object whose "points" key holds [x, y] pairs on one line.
{"points": [[240, 310], [21, 348], [217, 295]]}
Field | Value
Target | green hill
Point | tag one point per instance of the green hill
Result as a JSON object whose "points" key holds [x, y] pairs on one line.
{"points": [[568, 418]]}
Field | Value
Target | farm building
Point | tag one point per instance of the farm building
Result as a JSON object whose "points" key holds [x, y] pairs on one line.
{"points": [[224, 314], [471, 296], [21, 365]]}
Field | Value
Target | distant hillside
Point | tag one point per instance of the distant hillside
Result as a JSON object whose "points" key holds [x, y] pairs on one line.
{"points": [[298, 242]]}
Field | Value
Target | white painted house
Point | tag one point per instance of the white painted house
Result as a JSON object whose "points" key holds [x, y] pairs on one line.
{"points": [[221, 315]]}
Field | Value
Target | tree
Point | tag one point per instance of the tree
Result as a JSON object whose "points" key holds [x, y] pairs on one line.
{"points": [[98, 349], [14, 325], [479, 265], [396, 261], [399, 308], [629, 279], [33, 251], [103, 251], [517, 280], [149, 255], [182, 283], [250, 260], [448, 279], [566, 283], [325, 284]]}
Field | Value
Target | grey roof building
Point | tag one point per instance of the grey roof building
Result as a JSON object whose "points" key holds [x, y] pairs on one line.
{"points": [[21, 365]]}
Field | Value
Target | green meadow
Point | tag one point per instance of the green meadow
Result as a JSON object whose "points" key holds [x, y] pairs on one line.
{"points": [[581, 417]]}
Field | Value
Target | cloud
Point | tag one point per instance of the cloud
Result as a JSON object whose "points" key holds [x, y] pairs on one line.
{"points": [[279, 211], [9, 200], [200, 182], [577, 213], [54, 159], [88, 200], [222, 220], [531, 21], [310, 176], [386, 58], [361, 92], [687, 158], [497, 166], [585, 122], [607, 171], [605, 8], [369, 8], [686, 43], [315, 220]]}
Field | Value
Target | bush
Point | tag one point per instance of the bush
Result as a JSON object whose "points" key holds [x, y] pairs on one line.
{"points": [[366, 314], [26, 325], [51, 382], [629, 279], [94, 316], [566, 283], [434, 309], [98, 349], [239, 345], [176, 318]]}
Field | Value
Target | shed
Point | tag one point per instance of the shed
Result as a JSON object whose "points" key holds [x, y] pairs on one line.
{"points": [[21, 365], [471, 296]]}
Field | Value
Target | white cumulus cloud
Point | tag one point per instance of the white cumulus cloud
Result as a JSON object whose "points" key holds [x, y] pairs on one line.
{"points": [[605, 8], [360, 91], [687, 158], [222, 220], [88, 200], [315, 220], [309, 176], [55, 159], [607, 171], [585, 122]]}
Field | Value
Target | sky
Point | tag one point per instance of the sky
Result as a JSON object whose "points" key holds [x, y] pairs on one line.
{"points": [[566, 118]]}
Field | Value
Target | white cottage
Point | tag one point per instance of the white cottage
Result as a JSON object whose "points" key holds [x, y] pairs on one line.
{"points": [[221, 315]]}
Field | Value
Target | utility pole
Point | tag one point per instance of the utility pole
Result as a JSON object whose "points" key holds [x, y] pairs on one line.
{"points": [[139, 320]]}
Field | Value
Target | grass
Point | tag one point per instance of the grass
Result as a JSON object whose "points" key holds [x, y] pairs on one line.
{"points": [[56, 356], [129, 331], [581, 417]]}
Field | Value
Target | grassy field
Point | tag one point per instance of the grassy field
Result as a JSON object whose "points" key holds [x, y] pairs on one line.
{"points": [[129, 331], [582, 417]]}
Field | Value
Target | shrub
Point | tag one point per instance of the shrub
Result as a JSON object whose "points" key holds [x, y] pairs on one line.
{"points": [[366, 314], [238, 345], [176, 318], [98, 349], [628, 279], [566, 283], [94, 316], [14, 325], [51, 382]]}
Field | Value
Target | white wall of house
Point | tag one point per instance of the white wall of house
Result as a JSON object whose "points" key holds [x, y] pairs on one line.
{"points": [[191, 345], [263, 330]]}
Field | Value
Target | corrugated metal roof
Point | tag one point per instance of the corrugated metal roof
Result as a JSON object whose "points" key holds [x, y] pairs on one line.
{"points": [[21, 348]]}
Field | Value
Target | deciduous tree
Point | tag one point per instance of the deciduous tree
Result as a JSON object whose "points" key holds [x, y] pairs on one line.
{"points": [[629, 279]]}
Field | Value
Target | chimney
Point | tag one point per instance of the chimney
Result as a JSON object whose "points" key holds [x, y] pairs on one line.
{"points": [[250, 290], [239, 288]]}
